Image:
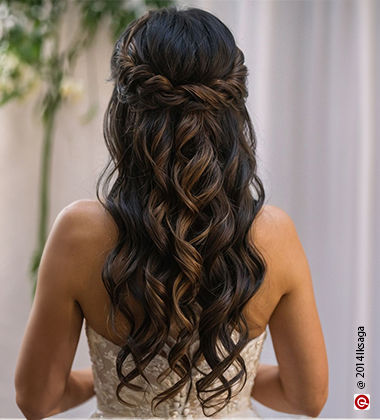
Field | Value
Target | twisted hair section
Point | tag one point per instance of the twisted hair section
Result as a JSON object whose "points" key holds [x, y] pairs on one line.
{"points": [[182, 187]]}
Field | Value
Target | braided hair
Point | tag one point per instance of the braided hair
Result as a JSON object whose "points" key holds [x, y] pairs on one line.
{"points": [[182, 147]]}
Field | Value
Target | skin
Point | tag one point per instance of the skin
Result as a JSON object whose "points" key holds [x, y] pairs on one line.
{"points": [[299, 383], [70, 288]]}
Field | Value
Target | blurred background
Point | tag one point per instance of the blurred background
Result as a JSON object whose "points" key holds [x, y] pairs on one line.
{"points": [[314, 89]]}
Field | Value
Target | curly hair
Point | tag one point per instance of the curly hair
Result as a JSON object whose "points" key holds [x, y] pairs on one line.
{"points": [[183, 189]]}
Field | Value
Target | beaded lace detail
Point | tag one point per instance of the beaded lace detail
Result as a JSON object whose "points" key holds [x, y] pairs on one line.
{"points": [[103, 355]]}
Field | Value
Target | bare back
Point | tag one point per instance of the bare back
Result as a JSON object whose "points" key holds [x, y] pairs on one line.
{"points": [[70, 287], [95, 303]]}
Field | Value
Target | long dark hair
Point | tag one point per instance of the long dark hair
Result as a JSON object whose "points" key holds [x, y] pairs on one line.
{"points": [[184, 193]]}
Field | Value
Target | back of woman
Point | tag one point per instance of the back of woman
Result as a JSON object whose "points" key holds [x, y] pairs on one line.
{"points": [[178, 267]]}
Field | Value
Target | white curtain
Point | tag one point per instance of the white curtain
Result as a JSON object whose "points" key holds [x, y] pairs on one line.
{"points": [[314, 89]]}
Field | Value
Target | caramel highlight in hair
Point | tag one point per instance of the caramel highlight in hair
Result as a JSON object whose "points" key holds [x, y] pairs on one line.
{"points": [[183, 189]]}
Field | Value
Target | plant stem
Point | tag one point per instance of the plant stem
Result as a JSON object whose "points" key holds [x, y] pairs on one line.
{"points": [[51, 103], [44, 193], [45, 179]]}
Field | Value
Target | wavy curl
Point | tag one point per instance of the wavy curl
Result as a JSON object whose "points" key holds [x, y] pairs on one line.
{"points": [[182, 155]]}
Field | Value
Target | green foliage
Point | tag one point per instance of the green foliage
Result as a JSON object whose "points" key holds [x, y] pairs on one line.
{"points": [[29, 37], [31, 57]]}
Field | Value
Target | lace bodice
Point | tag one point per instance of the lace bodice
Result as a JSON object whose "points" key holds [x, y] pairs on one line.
{"points": [[103, 355]]}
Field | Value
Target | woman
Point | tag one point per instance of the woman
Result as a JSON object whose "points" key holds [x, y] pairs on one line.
{"points": [[181, 267]]}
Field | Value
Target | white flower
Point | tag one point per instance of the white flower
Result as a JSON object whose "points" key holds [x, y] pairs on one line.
{"points": [[15, 75], [71, 89]]}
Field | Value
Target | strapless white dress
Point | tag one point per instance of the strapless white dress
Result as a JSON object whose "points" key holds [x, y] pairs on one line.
{"points": [[103, 355]]}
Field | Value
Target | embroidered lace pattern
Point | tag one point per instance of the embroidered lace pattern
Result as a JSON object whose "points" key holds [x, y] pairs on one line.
{"points": [[103, 355]]}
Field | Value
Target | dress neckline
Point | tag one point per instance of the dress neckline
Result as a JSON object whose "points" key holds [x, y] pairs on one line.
{"points": [[89, 328]]}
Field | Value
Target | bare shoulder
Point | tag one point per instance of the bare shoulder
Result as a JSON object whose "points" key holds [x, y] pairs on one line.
{"points": [[82, 235], [272, 222], [90, 220], [86, 208], [275, 236]]}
